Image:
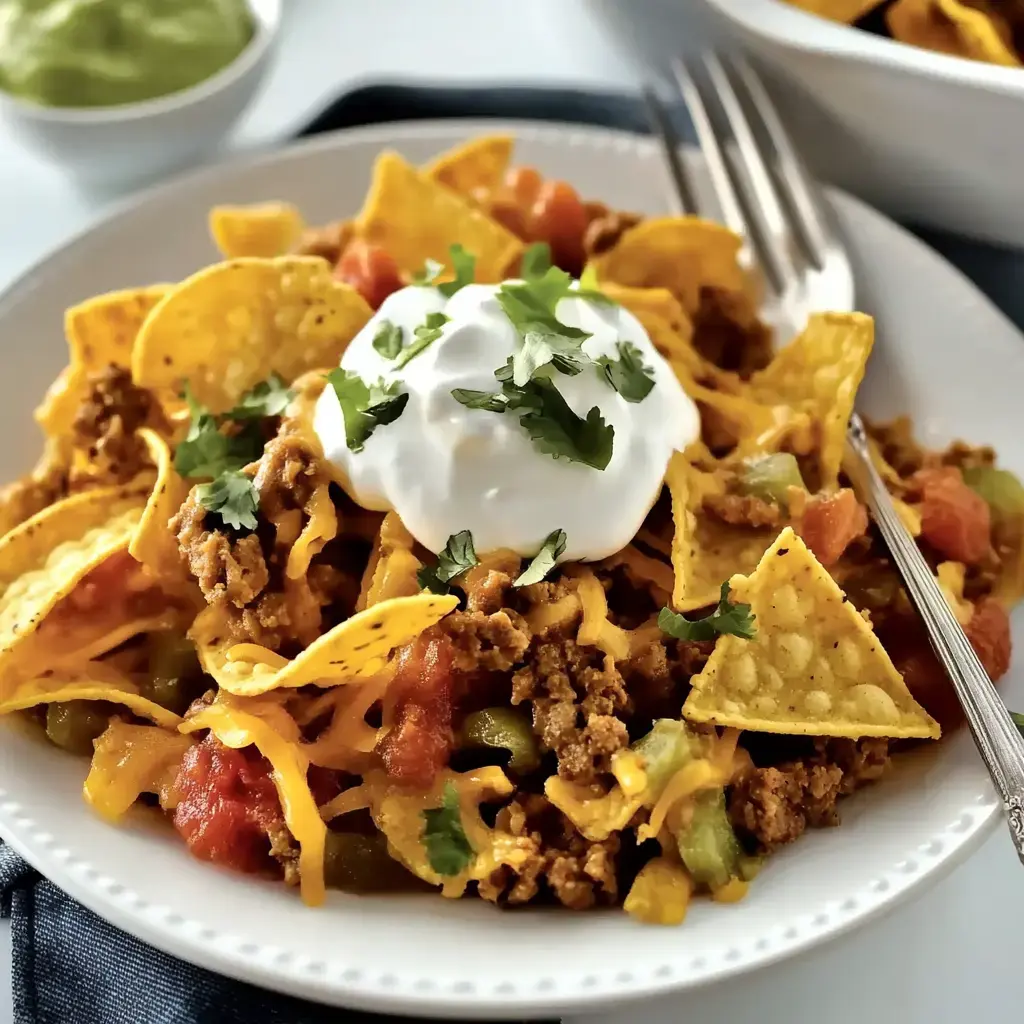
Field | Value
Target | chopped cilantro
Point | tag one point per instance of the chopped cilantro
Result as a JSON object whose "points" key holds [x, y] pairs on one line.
{"points": [[426, 334], [728, 617], [448, 849], [206, 451], [365, 406], [536, 260], [457, 556], [590, 290], [268, 398], [464, 265], [429, 274], [628, 374], [387, 341], [544, 561], [233, 497], [546, 416]]}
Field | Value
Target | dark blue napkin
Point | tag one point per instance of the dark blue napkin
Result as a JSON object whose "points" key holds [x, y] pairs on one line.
{"points": [[71, 967]]}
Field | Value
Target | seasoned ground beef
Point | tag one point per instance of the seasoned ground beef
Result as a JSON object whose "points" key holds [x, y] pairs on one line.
{"points": [[23, 498], [728, 333], [491, 643], [326, 242], [772, 806], [105, 425], [578, 872], [604, 230], [578, 695], [743, 510]]}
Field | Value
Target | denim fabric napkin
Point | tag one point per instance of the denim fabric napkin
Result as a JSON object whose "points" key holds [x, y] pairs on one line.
{"points": [[71, 967]]}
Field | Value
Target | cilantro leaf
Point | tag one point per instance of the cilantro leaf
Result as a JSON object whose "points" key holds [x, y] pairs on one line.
{"points": [[464, 265], [365, 406], [233, 497], [488, 400], [429, 274], [426, 334], [387, 341], [1018, 720], [536, 260], [268, 398], [457, 556], [545, 339], [735, 619], [206, 451], [590, 289], [556, 430], [448, 849], [628, 374], [544, 561]]}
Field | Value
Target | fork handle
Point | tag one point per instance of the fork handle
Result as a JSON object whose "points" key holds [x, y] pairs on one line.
{"points": [[997, 737]]}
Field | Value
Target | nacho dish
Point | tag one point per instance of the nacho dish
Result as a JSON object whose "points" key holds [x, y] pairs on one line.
{"points": [[484, 542], [987, 30]]}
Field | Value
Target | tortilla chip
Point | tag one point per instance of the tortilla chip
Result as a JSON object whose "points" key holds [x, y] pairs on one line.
{"points": [[416, 219], [950, 26], [259, 229], [705, 550], [819, 372], [230, 326], [682, 254], [91, 682], [100, 332], [846, 11], [238, 729], [814, 667], [153, 543], [43, 559], [477, 165], [129, 760], [355, 648]]}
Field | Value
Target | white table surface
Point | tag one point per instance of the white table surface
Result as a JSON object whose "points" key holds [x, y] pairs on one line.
{"points": [[949, 956]]}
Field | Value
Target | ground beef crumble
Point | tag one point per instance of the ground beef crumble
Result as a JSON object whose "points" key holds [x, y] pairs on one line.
{"points": [[772, 806], [744, 510]]}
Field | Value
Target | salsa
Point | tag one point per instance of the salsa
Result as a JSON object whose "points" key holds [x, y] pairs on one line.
{"points": [[100, 53]]}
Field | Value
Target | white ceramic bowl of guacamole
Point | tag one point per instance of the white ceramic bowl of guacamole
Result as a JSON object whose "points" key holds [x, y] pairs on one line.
{"points": [[122, 101]]}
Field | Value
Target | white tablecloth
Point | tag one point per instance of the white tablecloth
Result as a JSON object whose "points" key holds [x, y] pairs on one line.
{"points": [[949, 956]]}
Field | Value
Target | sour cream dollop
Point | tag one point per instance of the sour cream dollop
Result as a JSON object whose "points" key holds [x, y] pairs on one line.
{"points": [[445, 468]]}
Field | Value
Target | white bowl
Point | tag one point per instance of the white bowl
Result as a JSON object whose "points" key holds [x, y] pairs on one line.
{"points": [[134, 142], [931, 139]]}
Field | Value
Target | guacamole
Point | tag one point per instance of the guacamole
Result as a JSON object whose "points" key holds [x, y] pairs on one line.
{"points": [[99, 53]]}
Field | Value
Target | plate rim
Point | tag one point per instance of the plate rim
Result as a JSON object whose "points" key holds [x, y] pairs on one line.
{"points": [[166, 929]]}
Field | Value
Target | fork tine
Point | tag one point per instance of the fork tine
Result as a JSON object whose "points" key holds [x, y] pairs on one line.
{"points": [[731, 210], [795, 183], [753, 175], [664, 130]]}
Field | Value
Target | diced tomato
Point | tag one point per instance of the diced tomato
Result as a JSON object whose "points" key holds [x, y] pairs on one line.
{"points": [[559, 218], [831, 523], [421, 738], [989, 634], [523, 184], [954, 519], [370, 270], [227, 805], [105, 584]]}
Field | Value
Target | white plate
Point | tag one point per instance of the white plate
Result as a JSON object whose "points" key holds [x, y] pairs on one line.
{"points": [[426, 955]]}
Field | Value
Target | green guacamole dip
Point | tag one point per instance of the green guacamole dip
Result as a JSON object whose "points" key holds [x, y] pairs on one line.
{"points": [[99, 53]]}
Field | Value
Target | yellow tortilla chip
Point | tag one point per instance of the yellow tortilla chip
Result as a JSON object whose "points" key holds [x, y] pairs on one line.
{"points": [[814, 667], [355, 648], [416, 219], [479, 164], [681, 254], [705, 550], [153, 544], [230, 326], [43, 559], [100, 332], [238, 729], [953, 27], [837, 10], [819, 372], [92, 682], [129, 760], [259, 229]]}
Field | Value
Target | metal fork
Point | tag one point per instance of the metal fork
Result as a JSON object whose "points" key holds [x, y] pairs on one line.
{"points": [[765, 194]]}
